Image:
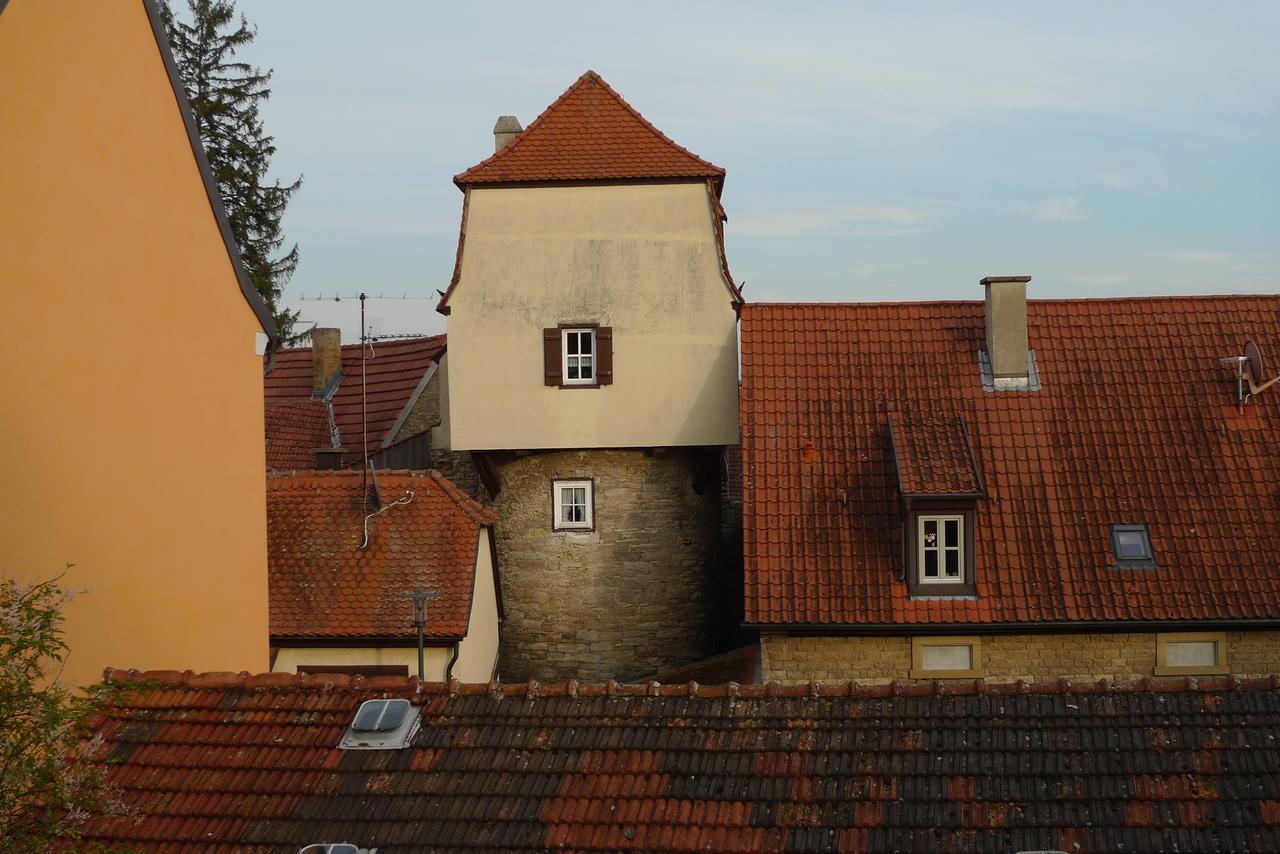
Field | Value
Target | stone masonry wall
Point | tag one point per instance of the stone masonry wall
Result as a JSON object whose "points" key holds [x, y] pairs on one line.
{"points": [[455, 465], [634, 596], [1006, 658]]}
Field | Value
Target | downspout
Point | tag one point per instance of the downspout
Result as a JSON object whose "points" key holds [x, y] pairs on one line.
{"points": [[453, 659]]}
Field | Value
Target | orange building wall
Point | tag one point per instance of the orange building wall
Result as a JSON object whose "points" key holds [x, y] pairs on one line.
{"points": [[131, 404]]}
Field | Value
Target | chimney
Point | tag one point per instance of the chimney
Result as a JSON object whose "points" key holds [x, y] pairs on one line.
{"points": [[326, 357], [1007, 328], [505, 131]]}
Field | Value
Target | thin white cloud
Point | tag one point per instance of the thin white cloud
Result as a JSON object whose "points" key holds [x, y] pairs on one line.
{"points": [[1057, 210], [812, 218]]}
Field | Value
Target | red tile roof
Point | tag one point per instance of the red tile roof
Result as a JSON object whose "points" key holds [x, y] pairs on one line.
{"points": [[1135, 422], [226, 762], [396, 369], [589, 134], [295, 429], [932, 455], [322, 584]]}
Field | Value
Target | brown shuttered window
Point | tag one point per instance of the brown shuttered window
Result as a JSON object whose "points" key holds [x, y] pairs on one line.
{"points": [[551, 366], [604, 355]]}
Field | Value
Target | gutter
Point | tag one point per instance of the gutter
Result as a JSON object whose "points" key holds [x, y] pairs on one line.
{"points": [[348, 641], [1064, 627]]}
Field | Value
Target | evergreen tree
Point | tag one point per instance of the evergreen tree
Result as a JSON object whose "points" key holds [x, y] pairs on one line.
{"points": [[225, 98]]}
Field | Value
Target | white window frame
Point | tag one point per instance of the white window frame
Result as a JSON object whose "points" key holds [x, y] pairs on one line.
{"points": [[941, 548], [557, 505], [564, 356]]}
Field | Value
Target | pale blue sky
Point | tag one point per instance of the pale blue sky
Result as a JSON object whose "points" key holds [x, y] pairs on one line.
{"points": [[874, 151]]}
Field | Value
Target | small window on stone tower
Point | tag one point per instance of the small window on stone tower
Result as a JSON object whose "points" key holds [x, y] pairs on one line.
{"points": [[572, 505]]}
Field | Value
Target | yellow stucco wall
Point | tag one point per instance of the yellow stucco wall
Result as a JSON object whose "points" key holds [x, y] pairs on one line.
{"points": [[435, 659], [478, 652], [641, 259], [132, 414]]}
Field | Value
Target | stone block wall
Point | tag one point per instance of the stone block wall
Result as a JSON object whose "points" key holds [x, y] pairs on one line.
{"points": [[634, 596], [1006, 658]]}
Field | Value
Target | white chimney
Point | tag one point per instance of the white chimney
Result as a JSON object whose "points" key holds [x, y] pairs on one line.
{"points": [[1006, 299], [504, 131]]}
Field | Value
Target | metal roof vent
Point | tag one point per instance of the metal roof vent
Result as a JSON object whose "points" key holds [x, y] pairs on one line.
{"points": [[381, 725]]}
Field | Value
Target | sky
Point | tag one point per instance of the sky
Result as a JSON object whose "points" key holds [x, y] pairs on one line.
{"points": [[874, 151]]}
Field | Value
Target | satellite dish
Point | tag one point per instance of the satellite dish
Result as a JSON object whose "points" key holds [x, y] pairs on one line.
{"points": [[1254, 370], [1253, 358]]}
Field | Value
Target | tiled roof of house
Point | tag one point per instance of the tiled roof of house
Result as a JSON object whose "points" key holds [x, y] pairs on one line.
{"points": [[322, 584], [295, 429], [396, 369], [932, 455], [226, 762], [589, 134], [1135, 423]]}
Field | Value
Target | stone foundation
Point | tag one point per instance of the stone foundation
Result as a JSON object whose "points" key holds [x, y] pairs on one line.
{"points": [[1005, 658], [634, 596]]}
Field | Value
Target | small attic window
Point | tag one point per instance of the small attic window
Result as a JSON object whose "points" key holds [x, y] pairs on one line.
{"points": [[1132, 546], [381, 725]]}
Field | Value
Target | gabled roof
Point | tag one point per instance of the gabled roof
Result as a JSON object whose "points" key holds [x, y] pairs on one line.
{"points": [[1135, 422], [932, 456], [225, 762], [295, 429], [397, 370], [322, 584], [589, 134]]}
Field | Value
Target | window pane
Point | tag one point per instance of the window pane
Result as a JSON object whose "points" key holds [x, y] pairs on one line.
{"points": [[953, 563], [1191, 654], [952, 530], [579, 495], [1130, 545], [957, 657], [586, 367], [571, 343], [931, 563], [586, 343], [573, 368], [931, 532]]}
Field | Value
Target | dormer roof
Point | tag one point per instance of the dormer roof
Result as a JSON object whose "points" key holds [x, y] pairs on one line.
{"points": [[589, 134]]}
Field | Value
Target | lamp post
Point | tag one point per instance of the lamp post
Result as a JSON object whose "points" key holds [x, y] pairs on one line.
{"points": [[420, 598]]}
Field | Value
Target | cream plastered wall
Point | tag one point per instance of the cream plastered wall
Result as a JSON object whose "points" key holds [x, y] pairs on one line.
{"points": [[435, 659], [478, 652], [641, 259], [132, 419]]}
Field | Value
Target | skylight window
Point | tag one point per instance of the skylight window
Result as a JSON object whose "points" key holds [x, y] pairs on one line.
{"points": [[331, 848], [1132, 546], [381, 725]]}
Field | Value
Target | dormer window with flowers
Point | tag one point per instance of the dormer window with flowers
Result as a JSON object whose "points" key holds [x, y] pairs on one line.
{"points": [[940, 486]]}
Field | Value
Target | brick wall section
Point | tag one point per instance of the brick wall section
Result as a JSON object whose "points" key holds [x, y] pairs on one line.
{"points": [[632, 597], [1082, 657]]}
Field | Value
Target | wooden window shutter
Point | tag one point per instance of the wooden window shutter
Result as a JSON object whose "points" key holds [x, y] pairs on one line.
{"points": [[604, 355], [551, 366]]}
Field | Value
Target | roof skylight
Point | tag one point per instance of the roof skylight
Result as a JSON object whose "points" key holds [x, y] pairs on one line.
{"points": [[381, 725], [1132, 546]]}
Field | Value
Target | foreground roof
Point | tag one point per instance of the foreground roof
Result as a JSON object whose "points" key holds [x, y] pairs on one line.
{"points": [[323, 585], [589, 134], [295, 430], [397, 370], [1135, 422], [228, 762]]}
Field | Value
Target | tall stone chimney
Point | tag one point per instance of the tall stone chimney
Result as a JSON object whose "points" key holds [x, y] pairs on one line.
{"points": [[326, 356], [505, 131], [1006, 298]]}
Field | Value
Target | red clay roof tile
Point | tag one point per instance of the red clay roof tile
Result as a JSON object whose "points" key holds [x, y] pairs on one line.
{"points": [[589, 134], [322, 584], [396, 369], [1135, 422], [956, 766], [295, 429], [932, 455]]}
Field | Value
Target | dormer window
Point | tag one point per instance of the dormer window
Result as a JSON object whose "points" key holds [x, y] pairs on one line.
{"points": [[577, 355], [940, 549], [1132, 546]]}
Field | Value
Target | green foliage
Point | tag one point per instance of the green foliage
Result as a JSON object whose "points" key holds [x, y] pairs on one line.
{"points": [[49, 785], [226, 97]]}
